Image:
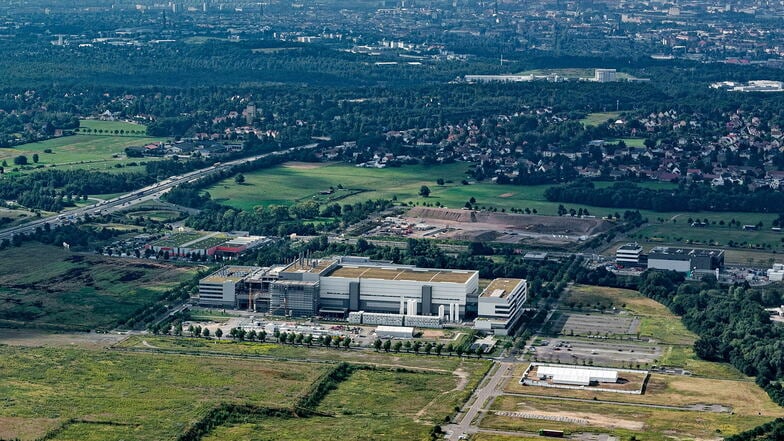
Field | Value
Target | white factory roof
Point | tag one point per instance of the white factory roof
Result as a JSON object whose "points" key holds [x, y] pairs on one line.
{"points": [[562, 374], [395, 329]]}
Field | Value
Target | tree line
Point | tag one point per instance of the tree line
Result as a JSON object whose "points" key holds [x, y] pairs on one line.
{"points": [[731, 323], [693, 197]]}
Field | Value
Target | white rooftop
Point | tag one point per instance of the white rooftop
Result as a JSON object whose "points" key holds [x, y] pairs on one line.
{"points": [[577, 374]]}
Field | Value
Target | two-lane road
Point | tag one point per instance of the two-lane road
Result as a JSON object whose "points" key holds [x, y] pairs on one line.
{"points": [[136, 197]]}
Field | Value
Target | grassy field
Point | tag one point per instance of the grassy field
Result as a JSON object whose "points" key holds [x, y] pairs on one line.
{"points": [[287, 185], [119, 396], [401, 399], [78, 151], [77, 291], [122, 128], [596, 118], [371, 404], [228, 347]]}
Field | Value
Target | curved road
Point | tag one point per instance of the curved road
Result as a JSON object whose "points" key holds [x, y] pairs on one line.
{"points": [[136, 197]]}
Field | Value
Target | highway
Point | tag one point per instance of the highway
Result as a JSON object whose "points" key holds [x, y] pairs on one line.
{"points": [[136, 197]]}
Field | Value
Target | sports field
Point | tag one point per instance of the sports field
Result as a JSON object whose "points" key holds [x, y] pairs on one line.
{"points": [[70, 290]]}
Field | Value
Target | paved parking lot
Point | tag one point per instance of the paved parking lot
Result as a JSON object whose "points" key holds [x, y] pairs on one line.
{"points": [[600, 351], [596, 324]]}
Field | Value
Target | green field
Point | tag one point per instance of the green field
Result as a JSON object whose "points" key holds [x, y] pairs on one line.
{"points": [[594, 119], [118, 396], [401, 398], [121, 128], [371, 404], [78, 151], [287, 185], [77, 291]]}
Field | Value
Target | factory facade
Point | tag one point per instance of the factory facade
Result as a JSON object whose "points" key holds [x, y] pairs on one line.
{"points": [[685, 260], [366, 292]]}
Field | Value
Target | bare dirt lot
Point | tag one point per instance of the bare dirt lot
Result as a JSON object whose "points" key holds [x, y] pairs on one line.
{"points": [[501, 227]]}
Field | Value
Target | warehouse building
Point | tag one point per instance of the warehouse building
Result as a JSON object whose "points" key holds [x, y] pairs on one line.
{"points": [[685, 260], [501, 306], [394, 332], [575, 376]]}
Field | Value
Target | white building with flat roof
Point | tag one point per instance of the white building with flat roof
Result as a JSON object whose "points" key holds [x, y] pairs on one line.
{"points": [[776, 274], [364, 285], [500, 306], [575, 375]]}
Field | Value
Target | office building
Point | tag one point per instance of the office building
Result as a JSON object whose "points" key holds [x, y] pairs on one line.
{"points": [[628, 254], [500, 306], [776, 274]]}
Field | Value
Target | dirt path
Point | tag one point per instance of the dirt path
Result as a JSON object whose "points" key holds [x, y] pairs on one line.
{"points": [[462, 382]]}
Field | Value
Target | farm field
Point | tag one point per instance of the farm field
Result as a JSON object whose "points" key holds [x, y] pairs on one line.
{"points": [[78, 151], [78, 291], [109, 395]]}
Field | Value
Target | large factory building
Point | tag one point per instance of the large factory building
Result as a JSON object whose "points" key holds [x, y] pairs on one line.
{"points": [[367, 291]]}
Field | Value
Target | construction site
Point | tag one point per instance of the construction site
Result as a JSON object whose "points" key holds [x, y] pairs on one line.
{"points": [[486, 226]]}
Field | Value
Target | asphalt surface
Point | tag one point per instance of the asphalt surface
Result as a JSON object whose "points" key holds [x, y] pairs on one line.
{"points": [[136, 197], [482, 396]]}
